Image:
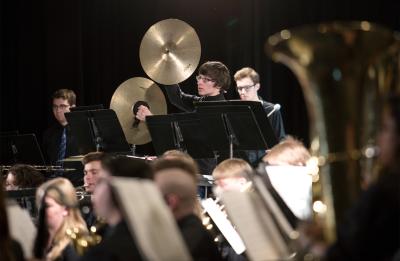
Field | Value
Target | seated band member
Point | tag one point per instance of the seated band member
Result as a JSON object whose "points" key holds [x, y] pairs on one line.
{"points": [[56, 139], [118, 242], [179, 190], [22, 176], [248, 84], [58, 212]]}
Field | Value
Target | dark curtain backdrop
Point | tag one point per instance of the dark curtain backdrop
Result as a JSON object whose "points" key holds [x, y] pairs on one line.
{"points": [[92, 46]]}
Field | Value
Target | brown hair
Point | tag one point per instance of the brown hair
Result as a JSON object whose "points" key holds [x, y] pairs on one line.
{"points": [[94, 156], [247, 72], [232, 168], [65, 94], [186, 164], [218, 72], [26, 176], [289, 151]]}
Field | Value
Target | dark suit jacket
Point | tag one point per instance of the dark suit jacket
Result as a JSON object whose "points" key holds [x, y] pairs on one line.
{"points": [[199, 242], [117, 245], [275, 119]]}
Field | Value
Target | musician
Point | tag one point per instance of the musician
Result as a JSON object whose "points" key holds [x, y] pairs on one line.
{"points": [[212, 81], [179, 190], [57, 141], [247, 85], [92, 169], [58, 212], [118, 242], [22, 176]]}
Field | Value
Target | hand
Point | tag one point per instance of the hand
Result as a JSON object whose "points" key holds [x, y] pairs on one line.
{"points": [[142, 113]]}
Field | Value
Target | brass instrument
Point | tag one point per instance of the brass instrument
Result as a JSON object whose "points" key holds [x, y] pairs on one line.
{"points": [[344, 70], [82, 241]]}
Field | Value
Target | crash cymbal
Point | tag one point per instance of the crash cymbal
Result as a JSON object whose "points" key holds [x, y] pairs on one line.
{"points": [[170, 51], [124, 98]]}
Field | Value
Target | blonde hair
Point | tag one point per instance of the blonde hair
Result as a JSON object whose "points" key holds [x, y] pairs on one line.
{"points": [[62, 191], [247, 72], [289, 151], [232, 168]]}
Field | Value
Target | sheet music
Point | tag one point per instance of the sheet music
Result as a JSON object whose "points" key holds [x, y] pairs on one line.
{"points": [[255, 225], [224, 225], [149, 220]]}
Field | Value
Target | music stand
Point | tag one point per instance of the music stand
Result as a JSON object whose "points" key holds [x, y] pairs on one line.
{"points": [[243, 125], [20, 149], [97, 130], [181, 131], [88, 108]]}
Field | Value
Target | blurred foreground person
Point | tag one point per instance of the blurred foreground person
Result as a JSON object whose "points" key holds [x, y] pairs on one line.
{"points": [[118, 242], [58, 212], [371, 230], [179, 190]]}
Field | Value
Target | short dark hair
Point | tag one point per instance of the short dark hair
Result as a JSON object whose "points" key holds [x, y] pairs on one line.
{"points": [[65, 94], [218, 72], [26, 176], [94, 156], [123, 166]]}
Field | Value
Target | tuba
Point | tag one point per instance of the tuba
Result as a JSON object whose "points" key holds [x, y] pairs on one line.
{"points": [[344, 69]]}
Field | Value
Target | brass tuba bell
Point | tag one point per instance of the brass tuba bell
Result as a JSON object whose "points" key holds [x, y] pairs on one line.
{"points": [[344, 69]]}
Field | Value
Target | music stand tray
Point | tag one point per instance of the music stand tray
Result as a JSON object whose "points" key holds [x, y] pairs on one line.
{"points": [[22, 148], [97, 130]]}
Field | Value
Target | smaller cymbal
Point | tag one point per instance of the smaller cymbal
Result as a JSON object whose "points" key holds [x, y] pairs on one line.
{"points": [[124, 98], [170, 51]]}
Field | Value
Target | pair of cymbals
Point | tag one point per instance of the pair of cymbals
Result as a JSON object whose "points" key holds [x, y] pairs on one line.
{"points": [[169, 53]]}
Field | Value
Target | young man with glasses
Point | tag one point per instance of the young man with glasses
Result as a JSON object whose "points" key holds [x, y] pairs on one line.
{"points": [[248, 84], [57, 143], [212, 81]]}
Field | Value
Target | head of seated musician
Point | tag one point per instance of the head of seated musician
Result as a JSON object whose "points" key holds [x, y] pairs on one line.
{"points": [[213, 79], [22, 176], [232, 174], [179, 190], [58, 212], [117, 243], [179, 159], [62, 101], [247, 84], [92, 169], [290, 151]]}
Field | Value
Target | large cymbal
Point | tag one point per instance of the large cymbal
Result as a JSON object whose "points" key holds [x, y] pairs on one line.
{"points": [[170, 51], [124, 98]]}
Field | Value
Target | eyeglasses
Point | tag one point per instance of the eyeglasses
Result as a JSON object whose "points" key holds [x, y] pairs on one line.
{"points": [[204, 78], [245, 88], [61, 107]]}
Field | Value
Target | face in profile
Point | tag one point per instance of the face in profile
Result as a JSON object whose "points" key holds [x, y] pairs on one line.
{"points": [[11, 182], [206, 86], [55, 213], [102, 199]]}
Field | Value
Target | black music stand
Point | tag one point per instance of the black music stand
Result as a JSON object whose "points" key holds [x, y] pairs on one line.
{"points": [[22, 148], [236, 125], [180, 131], [97, 130]]}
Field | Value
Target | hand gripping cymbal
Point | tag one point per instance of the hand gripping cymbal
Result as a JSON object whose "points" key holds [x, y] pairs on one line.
{"points": [[125, 97]]}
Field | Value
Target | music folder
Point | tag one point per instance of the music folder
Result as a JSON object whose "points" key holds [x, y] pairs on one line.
{"points": [[97, 130], [22, 148]]}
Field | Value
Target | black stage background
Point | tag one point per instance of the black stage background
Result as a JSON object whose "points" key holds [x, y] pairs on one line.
{"points": [[92, 46]]}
